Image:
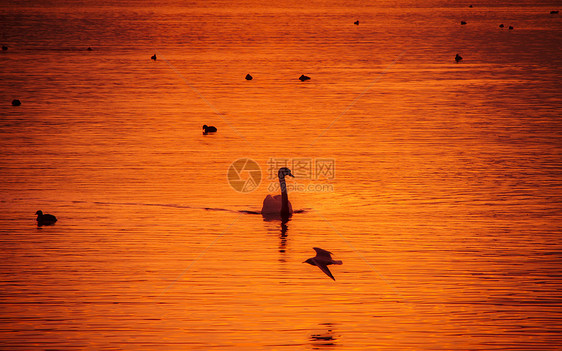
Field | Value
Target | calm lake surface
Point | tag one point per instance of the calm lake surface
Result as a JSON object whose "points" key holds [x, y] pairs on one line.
{"points": [[438, 184]]}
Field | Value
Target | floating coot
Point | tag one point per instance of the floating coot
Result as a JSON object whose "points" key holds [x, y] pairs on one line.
{"points": [[153, 57], [356, 22], [16, 102], [458, 58], [45, 219], [463, 23], [249, 77], [209, 129], [302, 78]]}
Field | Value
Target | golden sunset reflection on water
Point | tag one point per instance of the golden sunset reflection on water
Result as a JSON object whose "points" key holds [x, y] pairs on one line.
{"points": [[436, 183]]}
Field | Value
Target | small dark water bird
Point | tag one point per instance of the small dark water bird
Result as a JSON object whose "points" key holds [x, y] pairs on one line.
{"points": [[501, 25], [89, 48], [510, 27], [16, 102], [249, 76], [458, 58], [322, 260], [45, 219], [554, 12], [356, 22], [470, 6], [463, 23], [4, 48], [209, 129], [153, 57], [302, 78]]}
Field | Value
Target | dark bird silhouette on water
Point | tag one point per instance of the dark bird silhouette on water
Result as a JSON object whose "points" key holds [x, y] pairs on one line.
{"points": [[356, 22], [554, 12], [249, 76], [322, 260], [4, 47], [458, 58], [209, 129], [153, 57], [501, 25], [89, 48], [510, 27], [303, 78], [463, 23], [279, 205], [45, 219], [16, 102]]}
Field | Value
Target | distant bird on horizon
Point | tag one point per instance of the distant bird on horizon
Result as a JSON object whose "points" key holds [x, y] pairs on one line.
{"points": [[322, 260], [554, 12], [249, 76], [209, 129], [45, 219], [458, 58], [463, 23], [356, 22], [510, 27], [153, 57], [16, 102], [303, 78], [89, 48], [501, 25], [4, 47]]}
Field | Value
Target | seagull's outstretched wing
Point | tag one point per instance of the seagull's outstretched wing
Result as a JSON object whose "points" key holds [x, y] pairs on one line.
{"points": [[325, 269], [322, 253]]}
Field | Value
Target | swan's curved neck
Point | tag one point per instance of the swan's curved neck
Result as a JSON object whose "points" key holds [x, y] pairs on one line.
{"points": [[284, 197]]}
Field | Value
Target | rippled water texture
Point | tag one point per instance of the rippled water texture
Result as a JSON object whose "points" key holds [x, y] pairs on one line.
{"points": [[438, 184]]}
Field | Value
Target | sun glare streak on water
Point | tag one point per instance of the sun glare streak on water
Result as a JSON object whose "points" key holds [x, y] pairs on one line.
{"points": [[444, 204]]}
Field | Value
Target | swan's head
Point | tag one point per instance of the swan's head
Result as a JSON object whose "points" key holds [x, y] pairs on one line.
{"points": [[283, 172], [205, 126], [39, 213]]}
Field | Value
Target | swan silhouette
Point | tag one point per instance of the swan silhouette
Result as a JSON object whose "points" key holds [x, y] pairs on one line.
{"points": [[279, 204], [45, 219]]}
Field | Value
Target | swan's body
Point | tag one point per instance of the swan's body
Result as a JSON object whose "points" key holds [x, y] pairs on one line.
{"points": [[45, 219], [322, 260], [273, 205], [279, 204]]}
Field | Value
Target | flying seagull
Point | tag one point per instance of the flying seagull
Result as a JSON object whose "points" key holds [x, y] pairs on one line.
{"points": [[322, 260]]}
